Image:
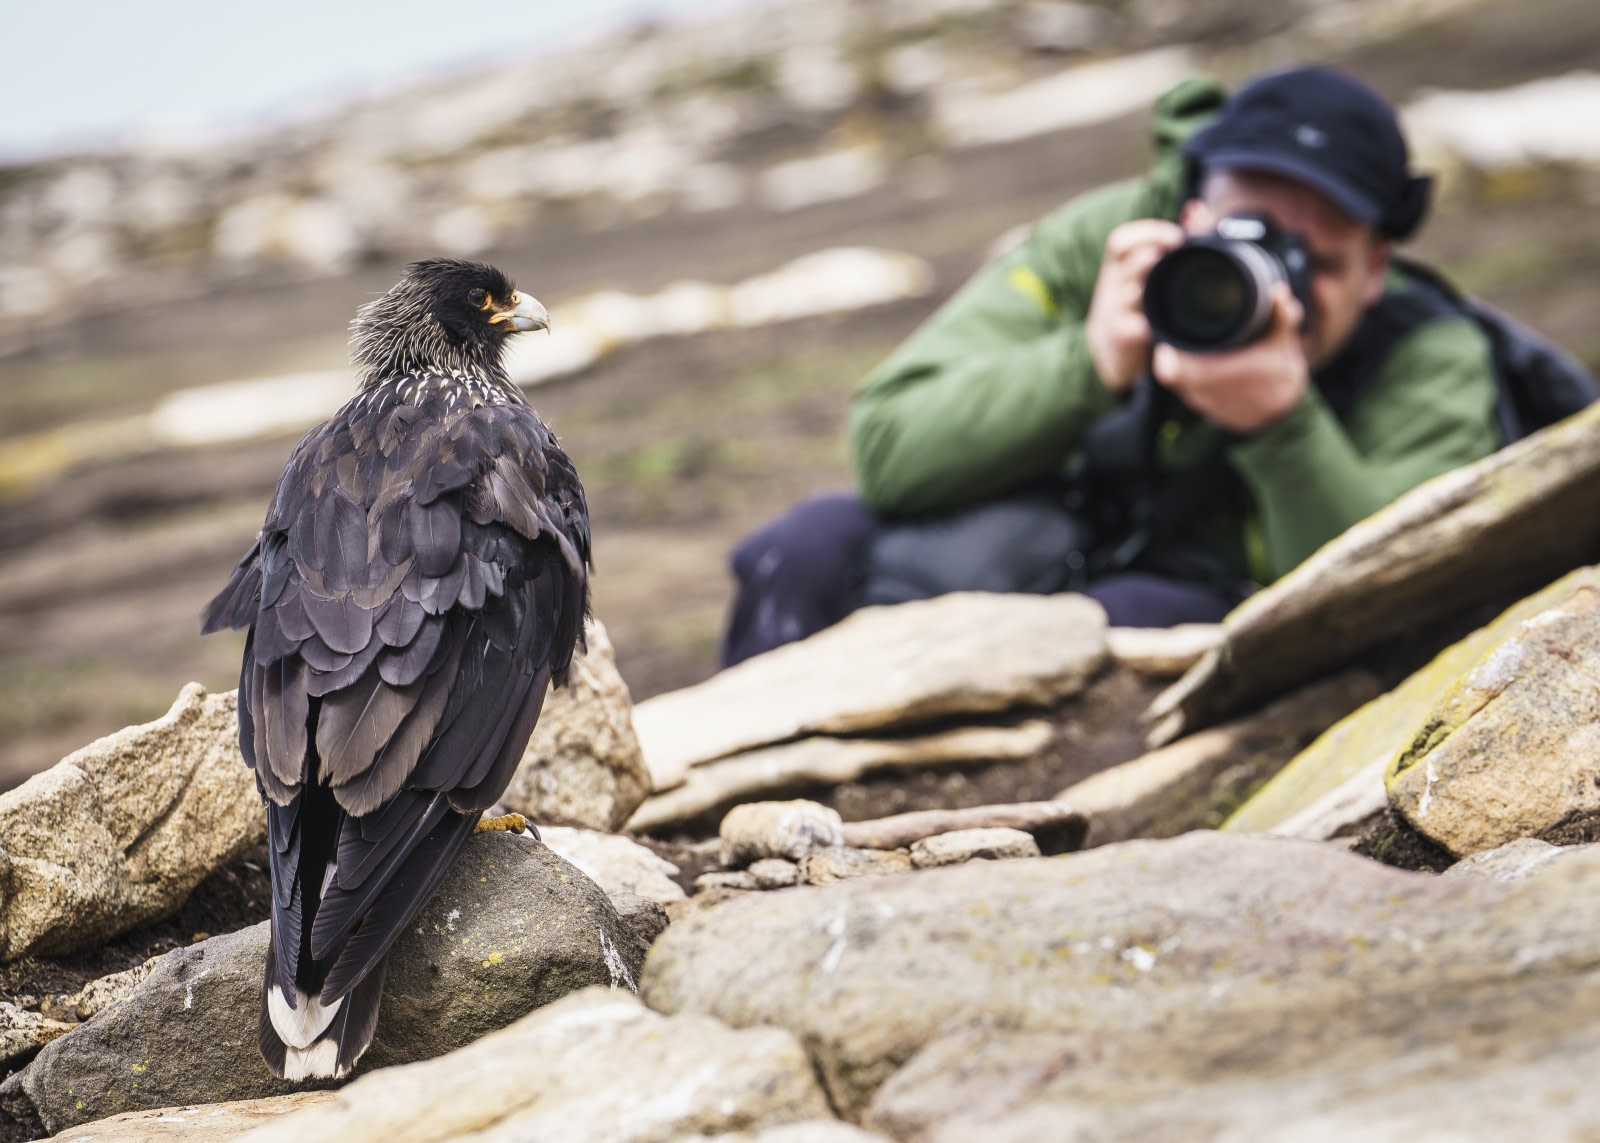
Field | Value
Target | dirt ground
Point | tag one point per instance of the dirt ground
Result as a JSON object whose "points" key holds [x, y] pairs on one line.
{"points": [[684, 444]]}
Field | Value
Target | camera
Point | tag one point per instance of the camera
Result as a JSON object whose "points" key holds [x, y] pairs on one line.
{"points": [[1214, 292]]}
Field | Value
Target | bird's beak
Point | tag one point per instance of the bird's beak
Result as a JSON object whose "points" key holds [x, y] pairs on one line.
{"points": [[526, 314]]}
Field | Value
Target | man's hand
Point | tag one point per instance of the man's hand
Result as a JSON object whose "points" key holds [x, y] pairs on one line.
{"points": [[1250, 388], [1116, 330]]}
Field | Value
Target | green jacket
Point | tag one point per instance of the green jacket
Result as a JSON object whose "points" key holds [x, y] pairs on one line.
{"points": [[996, 389]]}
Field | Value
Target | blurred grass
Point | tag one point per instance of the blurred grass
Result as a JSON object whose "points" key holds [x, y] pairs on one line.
{"points": [[690, 452]]}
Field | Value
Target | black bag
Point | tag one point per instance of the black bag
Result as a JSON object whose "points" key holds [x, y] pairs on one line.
{"points": [[1026, 542]]}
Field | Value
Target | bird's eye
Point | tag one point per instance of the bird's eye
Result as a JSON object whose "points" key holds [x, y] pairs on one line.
{"points": [[477, 297]]}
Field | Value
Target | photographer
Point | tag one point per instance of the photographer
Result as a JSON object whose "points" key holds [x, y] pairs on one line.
{"points": [[1035, 435]]}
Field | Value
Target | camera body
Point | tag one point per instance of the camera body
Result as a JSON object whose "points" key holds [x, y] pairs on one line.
{"points": [[1214, 293]]}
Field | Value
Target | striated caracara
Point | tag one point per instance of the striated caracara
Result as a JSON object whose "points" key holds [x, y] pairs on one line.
{"points": [[421, 578]]}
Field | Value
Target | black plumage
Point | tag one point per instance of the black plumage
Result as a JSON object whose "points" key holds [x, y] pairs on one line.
{"points": [[421, 578]]}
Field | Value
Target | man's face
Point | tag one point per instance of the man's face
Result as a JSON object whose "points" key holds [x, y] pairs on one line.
{"points": [[1348, 259]]}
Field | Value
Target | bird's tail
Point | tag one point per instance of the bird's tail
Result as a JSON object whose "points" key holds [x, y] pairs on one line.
{"points": [[309, 1040]]}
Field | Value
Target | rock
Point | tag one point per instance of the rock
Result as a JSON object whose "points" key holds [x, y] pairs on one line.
{"points": [[23, 1032], [464, 231], [777, 829], [725, 879], [1162, 652], [1344, 812], [1198, 781], [774, 873], [596, 1067], [831, 762], [207, 1122], [1164, 989], [968, 653], [1072, 97], [1056, 826], [838, 279], [250, 408], [317, 233], [615, 863], [811, 1131], [1526, 514], [512, 928], [645, 918], [916, 68], [97, 994], [1063, 26], [995, 844], [1205, 21], [1509, 750], [583, 766], [833, 175], [1515, 861], [841, 863], [1512, 126], [118, 833], [703, 899], [817, 79], [1346, 763]]}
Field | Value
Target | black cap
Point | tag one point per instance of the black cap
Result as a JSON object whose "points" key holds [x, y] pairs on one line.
{"points": [[1320, 127]]}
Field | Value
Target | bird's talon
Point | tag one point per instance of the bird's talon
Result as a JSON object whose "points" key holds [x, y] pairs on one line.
{"points": [[510, 823]]}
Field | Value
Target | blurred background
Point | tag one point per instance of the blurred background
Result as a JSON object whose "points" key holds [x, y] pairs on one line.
{"points": [[733, 210]]}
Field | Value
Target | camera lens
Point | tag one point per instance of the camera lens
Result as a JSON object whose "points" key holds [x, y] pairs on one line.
{"points": [[1211, 294], [1199, 297]]}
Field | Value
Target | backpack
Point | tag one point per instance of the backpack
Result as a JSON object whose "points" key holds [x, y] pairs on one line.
{"points": [[1539, 382]]}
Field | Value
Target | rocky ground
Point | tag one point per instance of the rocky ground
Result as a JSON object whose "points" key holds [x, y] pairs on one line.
{"points": [[1308, 870], [1322, 871], [1356, 829]]}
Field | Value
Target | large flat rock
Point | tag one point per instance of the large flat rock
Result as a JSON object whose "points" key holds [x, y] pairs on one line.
{"points": [[203, 1122], [1188, 983], [597, 1067], [1347, 764], [512, 928], [1519, 518], [118, 833], [827, 761], [969, 653]]}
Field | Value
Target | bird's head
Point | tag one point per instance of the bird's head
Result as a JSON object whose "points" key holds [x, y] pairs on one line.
{"points": [[443, 314]]}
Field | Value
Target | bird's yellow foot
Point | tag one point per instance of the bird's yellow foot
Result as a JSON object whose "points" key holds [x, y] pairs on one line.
{"points": [[511, 823]]}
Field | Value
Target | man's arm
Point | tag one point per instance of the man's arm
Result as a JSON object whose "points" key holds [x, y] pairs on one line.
{"points": [[1430, 409], [997, 387]]}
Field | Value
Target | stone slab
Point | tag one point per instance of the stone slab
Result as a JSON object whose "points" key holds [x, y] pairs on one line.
{"points": [[882, 667]]}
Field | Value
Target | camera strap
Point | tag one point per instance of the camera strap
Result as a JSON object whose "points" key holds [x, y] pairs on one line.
{"points": [[1141, 512]]}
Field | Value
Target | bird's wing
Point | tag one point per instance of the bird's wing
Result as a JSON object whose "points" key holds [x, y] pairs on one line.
{"points": [[417, 584]]}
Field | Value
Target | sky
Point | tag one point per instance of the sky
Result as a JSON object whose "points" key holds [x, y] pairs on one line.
{"points": [[76, 76]]}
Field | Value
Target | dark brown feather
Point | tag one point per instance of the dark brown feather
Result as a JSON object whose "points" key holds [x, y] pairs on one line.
{"points": [[356, 722]]}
